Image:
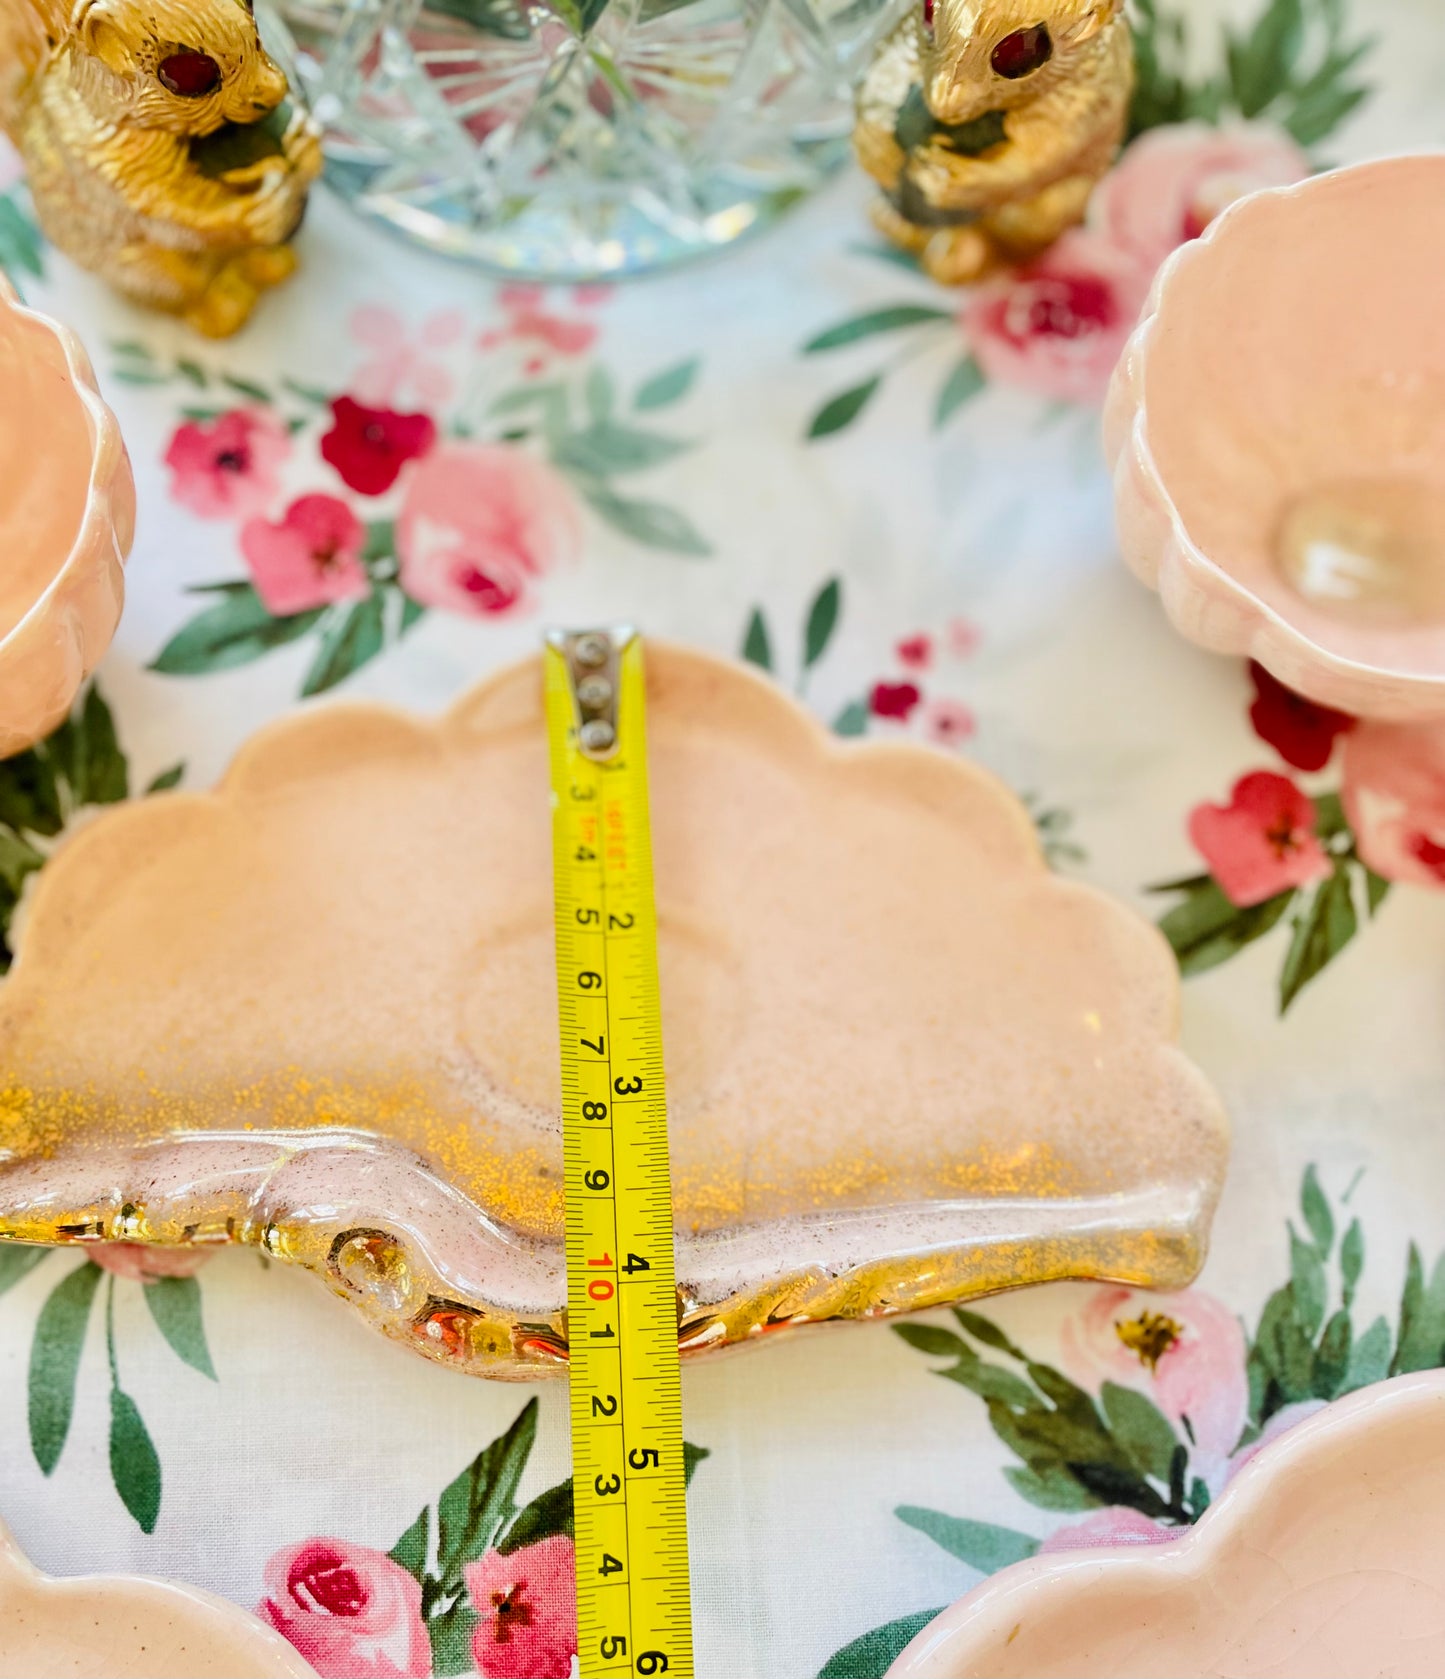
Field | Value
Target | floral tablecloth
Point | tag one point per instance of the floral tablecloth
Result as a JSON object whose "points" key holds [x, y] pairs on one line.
{"points": [[805, 455]]}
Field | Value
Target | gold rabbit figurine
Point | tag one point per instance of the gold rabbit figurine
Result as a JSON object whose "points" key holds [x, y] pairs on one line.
{"points": [[988, 123], [160, 150]]}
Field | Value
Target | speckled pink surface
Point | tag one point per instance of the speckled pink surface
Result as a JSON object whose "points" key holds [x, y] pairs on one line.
{"points": [[127, 1627], [1324, 1559], [906, 1062]]}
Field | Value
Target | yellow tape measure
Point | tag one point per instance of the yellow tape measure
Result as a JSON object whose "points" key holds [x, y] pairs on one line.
{"points": [[634, 1606]]}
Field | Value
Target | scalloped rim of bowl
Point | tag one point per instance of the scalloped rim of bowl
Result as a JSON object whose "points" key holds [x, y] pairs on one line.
{"points": [[1191, 585], [969, 1637], [106, 526], [112, 1612]]}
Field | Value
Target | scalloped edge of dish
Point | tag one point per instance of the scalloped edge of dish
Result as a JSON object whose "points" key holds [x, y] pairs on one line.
{"points": [[969, 1637], [1206, 604], [76, 615], [302, 1196]]}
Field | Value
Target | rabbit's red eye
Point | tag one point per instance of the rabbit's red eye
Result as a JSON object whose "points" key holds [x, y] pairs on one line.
{"points": [[1023, 52], [928, 15], [189, 74]]}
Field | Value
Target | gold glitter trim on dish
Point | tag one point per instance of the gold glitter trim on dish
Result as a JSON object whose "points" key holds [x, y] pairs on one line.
{"points": [[315, 1012]]}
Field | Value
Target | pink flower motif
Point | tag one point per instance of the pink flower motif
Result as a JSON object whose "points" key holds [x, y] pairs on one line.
{"points": [[1173, 181], [1115, 1525], [895, 700], [134, 1262], [480, 523], [405, 367], [352, 1612], [529, 321], [11, 168], [1394, 793], [1185, 1351], [964, 637], [915, 653], [528, 1607], [228, 467], [1057, 327], [1262, 842], [309, 557], [949, 722], [1280, 1423]]}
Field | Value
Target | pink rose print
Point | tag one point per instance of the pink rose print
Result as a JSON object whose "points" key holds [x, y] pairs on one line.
{"points": [[1173, 181], [964, 637], [136, 1263], [529, 321], [370, 446], [1115, 1525], [1262, 842], [528, 1607], [481, 522], [895, 700], [228, 467], [915, 653], [1303, 733], [405, 366], [352, 1612], [1185, 1351], [1057, 327], [1394, 796], [309, 557], [949, 723]]}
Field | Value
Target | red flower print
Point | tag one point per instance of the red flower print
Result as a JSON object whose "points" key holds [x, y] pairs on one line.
{"points": [[370, 446], [948, 722], [1262, 842], [1057, 326], [916, 653], [1394, 793], [897, 700], [352, 1612], [528, 1607], [310, 557], [480, 523], [1303, 733], [227, 467]]}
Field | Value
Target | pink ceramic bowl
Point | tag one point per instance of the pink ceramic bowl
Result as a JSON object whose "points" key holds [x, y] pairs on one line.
{"points": [[67, 515], [1277, 433]]}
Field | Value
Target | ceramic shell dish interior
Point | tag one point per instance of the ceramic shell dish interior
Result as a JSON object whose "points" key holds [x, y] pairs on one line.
{"points": [[1296, 348], [67, 516], [315, 1011], [1325, 1557], [116, 1626]]}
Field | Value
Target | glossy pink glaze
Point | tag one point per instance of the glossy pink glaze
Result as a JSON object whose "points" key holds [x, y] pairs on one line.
{"points": [[67, 516], [1324, 1557], [1297, 347]]}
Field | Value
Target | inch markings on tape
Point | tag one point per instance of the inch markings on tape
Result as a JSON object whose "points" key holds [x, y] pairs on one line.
{"points": [[634, 1607]]}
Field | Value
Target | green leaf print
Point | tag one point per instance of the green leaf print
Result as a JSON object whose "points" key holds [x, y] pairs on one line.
{"points": [[55, 1362], [870, 1656], [839, 412], [17, 1261], [667, 387], [981, 1545], [353, 636], [757, 648], [822, 621], [235, 631], [892, 319], [134, 1466], [175, 1304]]}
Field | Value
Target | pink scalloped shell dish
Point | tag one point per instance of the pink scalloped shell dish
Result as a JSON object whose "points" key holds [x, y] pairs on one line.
{"points": [[1277, 433], [1323, 1559], [113, 1626], [67, 516], [315, 1011]]}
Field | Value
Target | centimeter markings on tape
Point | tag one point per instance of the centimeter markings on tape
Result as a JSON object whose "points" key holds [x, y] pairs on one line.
{"points": [[634, 1605]]}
